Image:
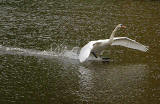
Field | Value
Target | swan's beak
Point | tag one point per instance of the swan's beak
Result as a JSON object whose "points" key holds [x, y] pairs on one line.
{"points": [[124, 26]]}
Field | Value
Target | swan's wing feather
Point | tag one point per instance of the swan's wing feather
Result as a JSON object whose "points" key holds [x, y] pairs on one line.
{"points": [[85, 51], [129, 43]]}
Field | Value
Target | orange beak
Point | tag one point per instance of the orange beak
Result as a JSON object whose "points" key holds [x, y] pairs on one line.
{"points": [[124, 26]]}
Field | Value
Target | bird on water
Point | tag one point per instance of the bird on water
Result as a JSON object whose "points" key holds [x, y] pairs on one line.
{"points": [[97, 47]]}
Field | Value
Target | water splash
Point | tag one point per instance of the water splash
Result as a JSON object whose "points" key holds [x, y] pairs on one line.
{"points": [[59, 52]]}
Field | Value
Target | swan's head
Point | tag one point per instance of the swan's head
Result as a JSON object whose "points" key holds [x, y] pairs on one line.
{"points": [[121, 26]]}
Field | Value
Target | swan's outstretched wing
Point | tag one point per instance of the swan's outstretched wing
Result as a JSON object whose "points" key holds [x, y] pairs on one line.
{"points": [[85, 51], [129, 43]]}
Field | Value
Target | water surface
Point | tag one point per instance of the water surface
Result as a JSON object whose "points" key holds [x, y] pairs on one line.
{"points": [[32, 72]]}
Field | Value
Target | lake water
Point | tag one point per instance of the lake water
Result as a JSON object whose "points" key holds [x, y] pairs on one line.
{"points": [[38, 65]]}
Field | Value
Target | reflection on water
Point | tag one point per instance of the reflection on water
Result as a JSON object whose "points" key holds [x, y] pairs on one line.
{"points": [[108, 82], [30, 75], [114, 83]]}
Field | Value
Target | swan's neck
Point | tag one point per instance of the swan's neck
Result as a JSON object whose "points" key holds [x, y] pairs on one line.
{"points": [[113, 33]]}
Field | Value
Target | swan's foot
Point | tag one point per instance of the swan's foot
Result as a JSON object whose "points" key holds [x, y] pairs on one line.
{"points": [[94, 55], [105, 59]]}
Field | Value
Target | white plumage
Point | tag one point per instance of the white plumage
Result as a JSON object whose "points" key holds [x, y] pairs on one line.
{"points": [[85, 51], [129, 43], [98, 46]]}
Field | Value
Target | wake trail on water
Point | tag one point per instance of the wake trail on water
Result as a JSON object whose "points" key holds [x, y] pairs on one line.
{"points": [[59, 52]]}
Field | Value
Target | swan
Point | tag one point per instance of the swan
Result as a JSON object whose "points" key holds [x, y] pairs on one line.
{"points": [[97, 47]]}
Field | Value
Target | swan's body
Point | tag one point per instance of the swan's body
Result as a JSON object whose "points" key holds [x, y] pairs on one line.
{"points": [[98, 46]]}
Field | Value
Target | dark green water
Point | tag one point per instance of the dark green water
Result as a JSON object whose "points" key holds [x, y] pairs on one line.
{"points": [[30, 75]]}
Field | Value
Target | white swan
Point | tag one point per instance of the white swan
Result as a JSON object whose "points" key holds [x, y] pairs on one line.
{"points": [[97, 47]]}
